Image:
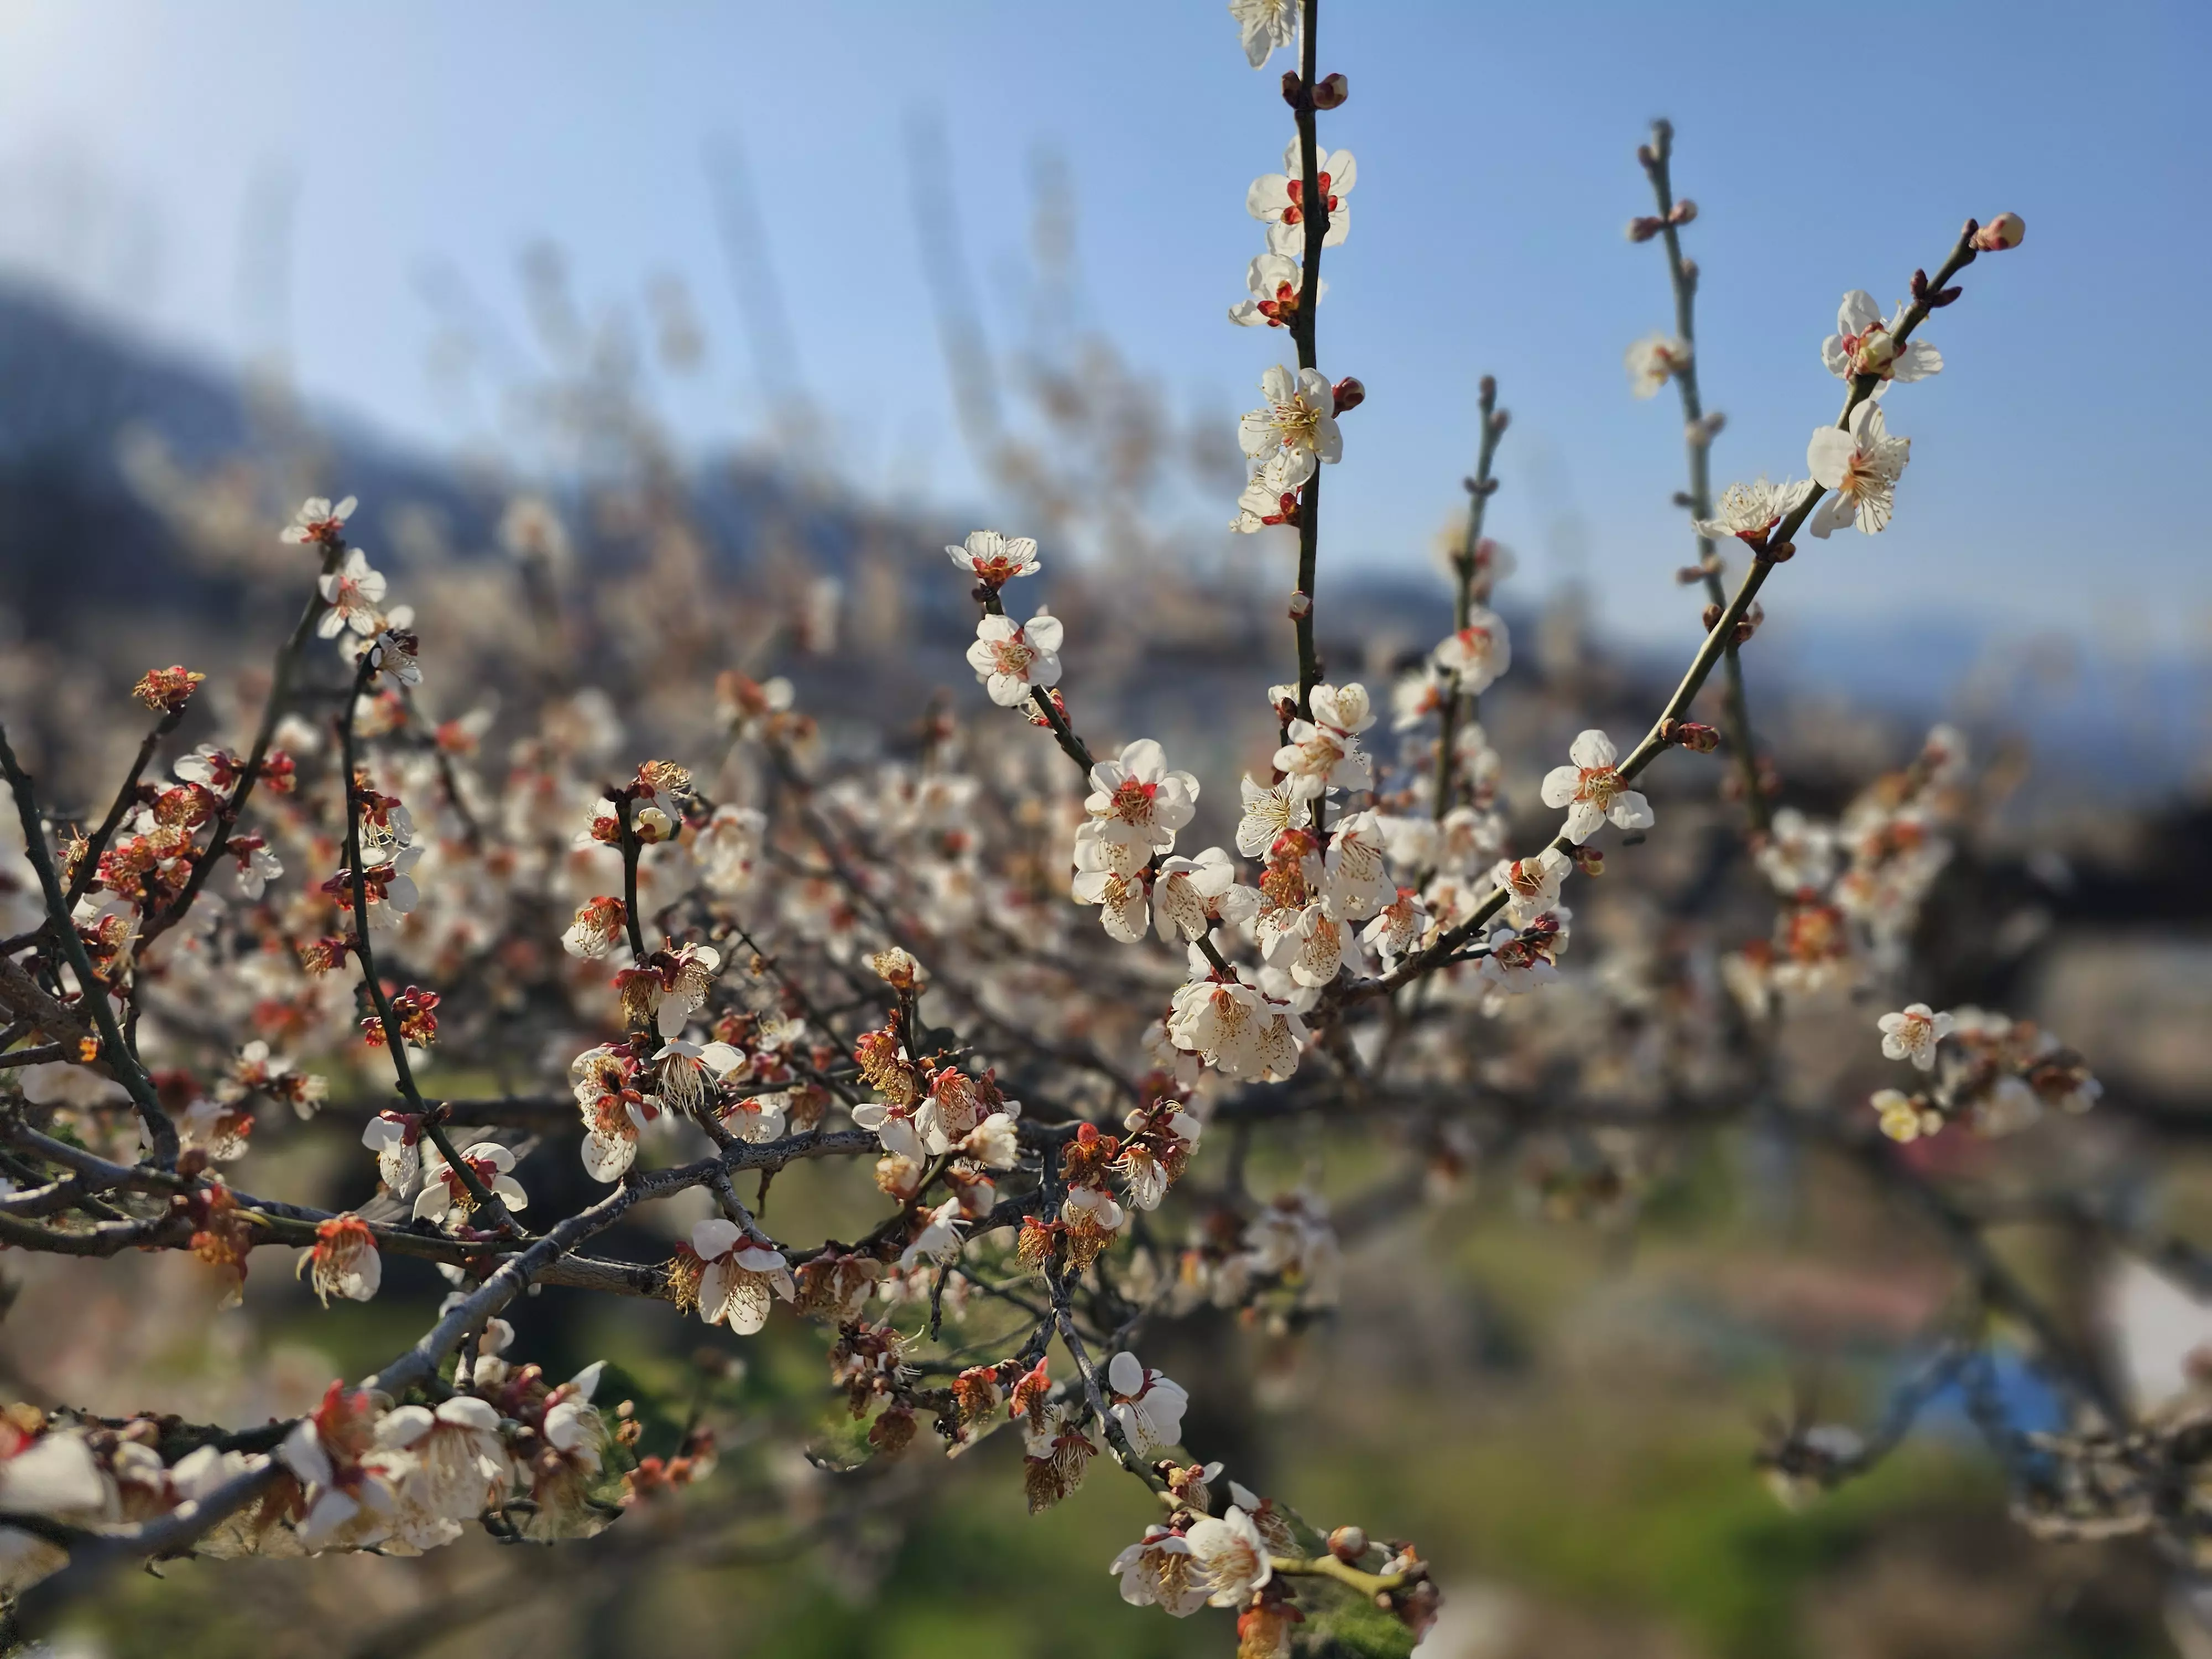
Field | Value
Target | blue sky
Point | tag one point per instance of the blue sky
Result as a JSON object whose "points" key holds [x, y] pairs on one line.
{"points": [[2054, 472]]}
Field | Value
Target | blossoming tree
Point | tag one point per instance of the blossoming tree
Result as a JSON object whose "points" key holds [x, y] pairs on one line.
{"points": [[765, 952]]}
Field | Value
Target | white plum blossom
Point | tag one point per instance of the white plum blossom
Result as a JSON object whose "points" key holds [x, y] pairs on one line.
{"points": [[1235, 1029], [460, 1465], [1861, 463], [995, 560], [1155, 1571], [395, 1138], [1799, 853], [1184, 887], [1277, 283], [1748, 511], [1521, 960], [740, 1275], [1010, 658], [1270, 495], [1913, 1034], [1323, 753], [1358, 880], [1864, 344], [1476, 654], [1109, 873], [1147, 1404], [353, 592], [1228, 1557], [1655, 359], [316, 519], [1267, 813], [1593, 790], [938, 1238], [1309, 943], [1531, 886], [1137, 801], [1278, 199], [1396, 928], [1263, 26], [445, 1198], [1299, 414]]}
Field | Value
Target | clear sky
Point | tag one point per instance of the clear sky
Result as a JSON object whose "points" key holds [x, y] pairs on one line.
{"points": [[2057, 467]]}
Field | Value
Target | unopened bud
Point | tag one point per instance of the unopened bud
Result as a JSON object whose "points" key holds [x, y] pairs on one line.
{"points": [[1706, 428], [1589, 861], [1646, 154], [1487, 389], [1685, 575], [1691, 735], [1690, 272], [1779, 553], [1712, 617], [1644, 226], [1350, 394], [1682, 212], [1332, 91], [1347, 1544], [1684, 500], [1301, 605], [2004, 231], [1502, 419], [1293, 89]]}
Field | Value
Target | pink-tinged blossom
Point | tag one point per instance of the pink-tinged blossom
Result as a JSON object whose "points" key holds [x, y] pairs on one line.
{"points": [[1593, 790], [995, 560], [1397, 927], [1865, 344], [318, 520], [343, 1261], [1278, 199], [1011, 659], [1477, 654], [354, 593], [1136, 801], [1913, 1035], [1531, 885], [1861, 465]]}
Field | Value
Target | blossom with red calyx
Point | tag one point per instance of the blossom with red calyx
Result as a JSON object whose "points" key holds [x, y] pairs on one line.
{"points": [[319, 521], [995, 560], [597, 929], [1278, 199], [445, 1196], [343, 1260], [166, 690], [417, 1010]]}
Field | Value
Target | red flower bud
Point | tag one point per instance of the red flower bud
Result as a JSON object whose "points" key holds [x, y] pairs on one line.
{"points": [[2004, 231], [1350, 394], [1332, 91]]}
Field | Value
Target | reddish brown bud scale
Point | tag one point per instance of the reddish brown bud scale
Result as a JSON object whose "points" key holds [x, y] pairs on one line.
{"points": [[1332, 91]]}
